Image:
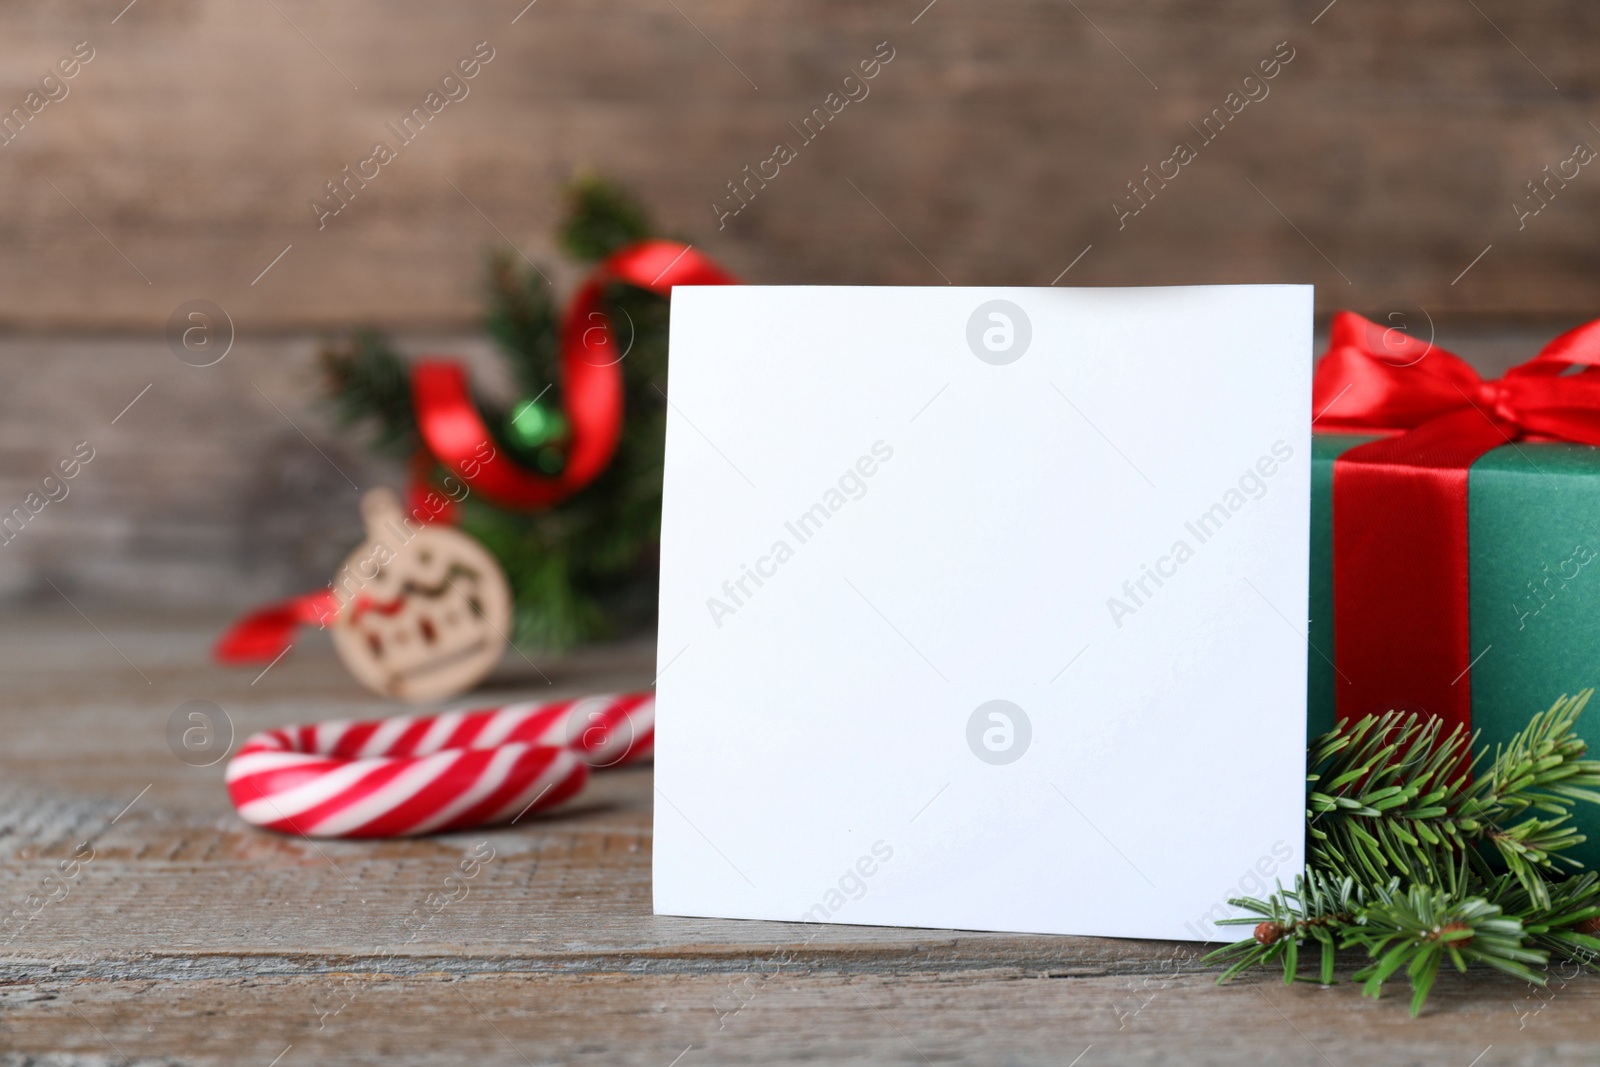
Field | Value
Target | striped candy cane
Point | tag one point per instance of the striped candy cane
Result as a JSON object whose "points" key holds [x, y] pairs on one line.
{"points": [[420, 774]]}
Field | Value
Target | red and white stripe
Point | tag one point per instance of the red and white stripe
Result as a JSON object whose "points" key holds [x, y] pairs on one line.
{"points": [[419, 774]]}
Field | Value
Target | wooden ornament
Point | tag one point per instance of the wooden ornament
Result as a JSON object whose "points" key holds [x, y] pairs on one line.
{"points": [[423, 608]]}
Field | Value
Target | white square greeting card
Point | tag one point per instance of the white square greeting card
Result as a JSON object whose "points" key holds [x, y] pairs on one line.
{"points": [[984, 608]]}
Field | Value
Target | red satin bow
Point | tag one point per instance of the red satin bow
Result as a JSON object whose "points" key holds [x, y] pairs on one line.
{"points": [[591, 385], [1377, 379], [1402, 635]]}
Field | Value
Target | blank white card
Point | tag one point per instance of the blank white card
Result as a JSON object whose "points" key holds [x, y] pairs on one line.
{"points": [[984, 608]]}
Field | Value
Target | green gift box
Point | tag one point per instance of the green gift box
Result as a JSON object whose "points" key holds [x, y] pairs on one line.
{"points": [[1531, 587]]}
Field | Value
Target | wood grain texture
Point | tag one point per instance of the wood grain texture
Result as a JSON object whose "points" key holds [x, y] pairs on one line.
{"points": [[1387, 155], [190, 938]]}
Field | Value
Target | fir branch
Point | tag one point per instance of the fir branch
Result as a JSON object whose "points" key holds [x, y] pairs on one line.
{"points": [[1383, 792], [1567, 926], [1404, 833], [1418, 929], [1426, 926], [601, 218], [1318, 907], [367, 382], [1541, 769], [521, 318], [1390, 797]]}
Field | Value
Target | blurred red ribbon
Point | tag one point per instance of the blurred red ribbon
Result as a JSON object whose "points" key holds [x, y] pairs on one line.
{"points": [[267, 632], [453, 432]]}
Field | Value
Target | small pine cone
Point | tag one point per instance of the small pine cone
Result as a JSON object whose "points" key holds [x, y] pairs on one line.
{"points": [[1267, 933], [1588, 926]]}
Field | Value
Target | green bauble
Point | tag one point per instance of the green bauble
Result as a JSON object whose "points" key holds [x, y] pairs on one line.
{"points": [[533, 425]]}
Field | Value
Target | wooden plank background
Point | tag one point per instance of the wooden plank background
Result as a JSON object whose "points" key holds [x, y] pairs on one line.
{"points": [[1386, 156], [192, 939]]}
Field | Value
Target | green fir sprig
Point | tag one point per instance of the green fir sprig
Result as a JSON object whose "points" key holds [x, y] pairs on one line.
{"points": [[1423, 853], [1566, 926], [1318, 909], [1388, 796], [1420, 929]]}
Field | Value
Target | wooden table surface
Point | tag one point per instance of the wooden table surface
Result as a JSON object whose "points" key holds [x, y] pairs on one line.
{"points": [[190, 938]]}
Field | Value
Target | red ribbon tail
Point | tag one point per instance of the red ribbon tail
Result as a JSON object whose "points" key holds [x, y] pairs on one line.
{"points": [[1401, 612], [266, 633]]}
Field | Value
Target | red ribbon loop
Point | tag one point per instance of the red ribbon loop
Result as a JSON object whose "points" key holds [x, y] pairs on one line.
{"points": [[1402, 633], [591, 385]]}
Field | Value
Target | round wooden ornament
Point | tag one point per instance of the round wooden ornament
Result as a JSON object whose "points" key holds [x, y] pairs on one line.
{"points": [[423, 608]]}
